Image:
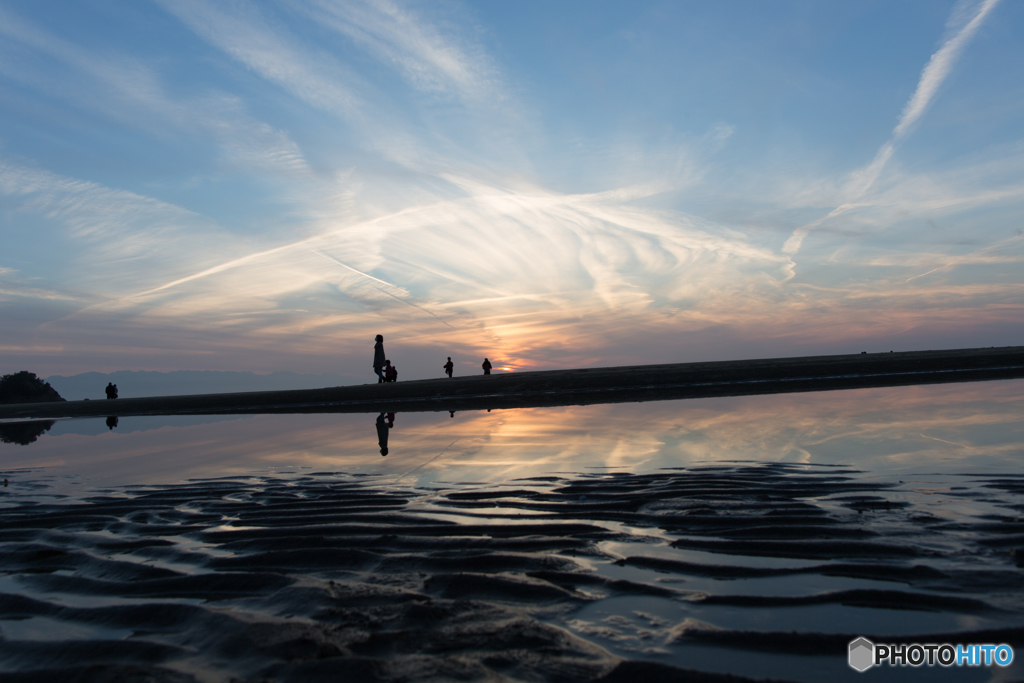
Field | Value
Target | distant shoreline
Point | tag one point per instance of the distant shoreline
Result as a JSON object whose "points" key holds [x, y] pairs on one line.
{"points": [[575, 387]]}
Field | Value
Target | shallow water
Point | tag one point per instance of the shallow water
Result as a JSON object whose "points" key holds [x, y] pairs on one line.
{"points": [[751, 535]]}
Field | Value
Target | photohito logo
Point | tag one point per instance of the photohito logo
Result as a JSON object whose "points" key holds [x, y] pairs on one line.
{"points": [[864, 654]]}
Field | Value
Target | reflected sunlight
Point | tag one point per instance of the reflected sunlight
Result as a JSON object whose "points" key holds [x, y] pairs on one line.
{"points": [[889, 430]]}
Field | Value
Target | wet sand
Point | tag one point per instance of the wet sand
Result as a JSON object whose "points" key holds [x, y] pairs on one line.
{"points": [[577, 387], [329, 576]]}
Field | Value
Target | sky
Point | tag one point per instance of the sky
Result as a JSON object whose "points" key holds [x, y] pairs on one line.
{"points": [[265, 186]]}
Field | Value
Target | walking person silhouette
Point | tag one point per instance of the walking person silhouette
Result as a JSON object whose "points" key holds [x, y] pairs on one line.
{"points": [[378, 358], [449, 367], [486, 366]]}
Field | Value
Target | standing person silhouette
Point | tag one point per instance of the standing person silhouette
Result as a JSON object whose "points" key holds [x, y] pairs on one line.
{"points": [[486, 366], [378, 359], [449, 366]]}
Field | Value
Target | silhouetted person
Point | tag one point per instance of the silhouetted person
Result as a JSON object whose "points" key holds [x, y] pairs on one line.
{"points": [[111, 390], [449, 367], [378, 358], [390, 372], [452, 413], [486, 366], [382, 431], [111, 421]]}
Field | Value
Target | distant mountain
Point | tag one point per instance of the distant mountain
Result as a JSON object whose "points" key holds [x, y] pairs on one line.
{"points": [[133, 384]]}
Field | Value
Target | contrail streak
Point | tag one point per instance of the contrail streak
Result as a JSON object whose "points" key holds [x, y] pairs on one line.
{"points": [[380, 289], [940, 65], [345, 265], [932, 76]]}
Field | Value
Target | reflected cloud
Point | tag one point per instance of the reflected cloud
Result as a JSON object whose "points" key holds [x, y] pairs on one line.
{"points": [[893, 431]]}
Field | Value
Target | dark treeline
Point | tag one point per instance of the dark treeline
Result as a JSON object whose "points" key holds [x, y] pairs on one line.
{"points": [[25, 387]]}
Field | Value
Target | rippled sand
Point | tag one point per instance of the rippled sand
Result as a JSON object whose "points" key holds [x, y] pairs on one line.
{"points": [[737, 572]]}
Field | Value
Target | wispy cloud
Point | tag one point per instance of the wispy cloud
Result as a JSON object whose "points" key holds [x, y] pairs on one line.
{"points": [[125, 90], [242, 31], [963, 23], [478, 112], [427, 59], [379, 170], [386, 287], [550, 260], [134, 237]]}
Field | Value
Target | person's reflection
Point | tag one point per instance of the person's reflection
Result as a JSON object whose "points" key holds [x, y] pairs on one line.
{"points": [[385, 421], [111, 422]]}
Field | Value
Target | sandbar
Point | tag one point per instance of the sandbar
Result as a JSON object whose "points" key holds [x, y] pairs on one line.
{"points": [[576, 386]]}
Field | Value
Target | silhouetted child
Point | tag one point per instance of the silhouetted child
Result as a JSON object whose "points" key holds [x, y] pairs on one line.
{"points": [[486, 366], [449, 367], [390, 372], [111, 390]]}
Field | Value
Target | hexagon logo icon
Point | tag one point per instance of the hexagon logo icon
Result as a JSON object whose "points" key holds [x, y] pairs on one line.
{"points": [[862, 654]]}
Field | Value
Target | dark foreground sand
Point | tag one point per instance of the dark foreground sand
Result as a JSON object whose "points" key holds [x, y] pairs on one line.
{"points": [[329, 577], [576, 387]]}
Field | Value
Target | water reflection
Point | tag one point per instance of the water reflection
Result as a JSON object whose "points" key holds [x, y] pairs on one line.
{"points": [[385, 421], [889, 430], [23, 433], [631, 526]]}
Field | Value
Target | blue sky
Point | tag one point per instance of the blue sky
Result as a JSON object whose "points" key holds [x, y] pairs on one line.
{"points": [[266, 186]]}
